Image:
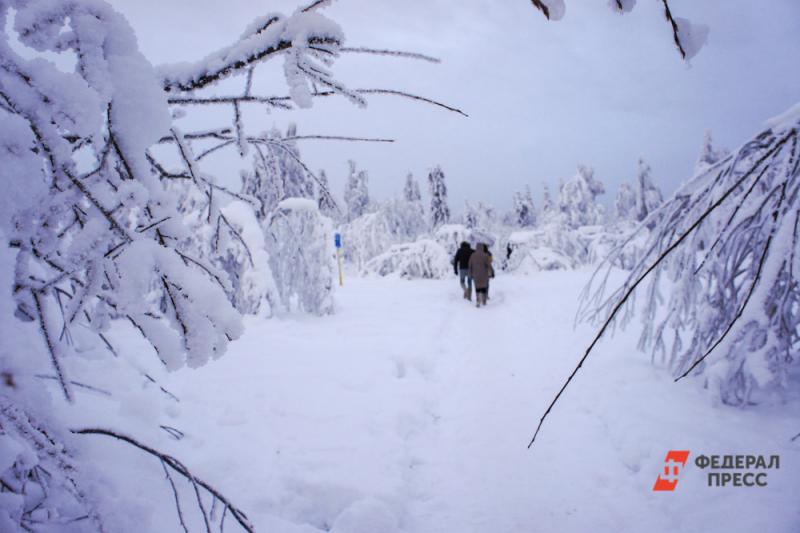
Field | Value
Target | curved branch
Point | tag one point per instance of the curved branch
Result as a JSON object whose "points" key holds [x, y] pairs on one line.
{"points": [[398, 93], [393, 53], [632, 287], [176, 466]]}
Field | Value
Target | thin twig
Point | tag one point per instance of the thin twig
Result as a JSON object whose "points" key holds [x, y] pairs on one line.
{"points": [[177, 498], [175, 465], [393, 53]]}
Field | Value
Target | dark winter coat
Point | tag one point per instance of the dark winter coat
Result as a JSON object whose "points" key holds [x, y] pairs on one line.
{"points": [[480, 268], [461, 260]]}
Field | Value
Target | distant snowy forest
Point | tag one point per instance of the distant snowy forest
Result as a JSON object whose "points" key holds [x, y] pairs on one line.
{"points": [[112, 220]]}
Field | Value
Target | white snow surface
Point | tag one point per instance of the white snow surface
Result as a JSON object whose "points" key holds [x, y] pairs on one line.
{"points": [[409, 410]]}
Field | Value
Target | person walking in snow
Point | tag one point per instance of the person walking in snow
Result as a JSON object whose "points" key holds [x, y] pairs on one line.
{"points": [[461, 268], [491, 267], [480, 270]]}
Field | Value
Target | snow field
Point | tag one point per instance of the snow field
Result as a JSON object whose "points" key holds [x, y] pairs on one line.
{"points": [[409, 411]]}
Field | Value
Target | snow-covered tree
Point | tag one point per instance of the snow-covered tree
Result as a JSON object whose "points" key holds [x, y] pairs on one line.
{"points": [[709, 155], [577, 200], [301, 256], [487, 216], [411, 189], [278, 172], [634, 204], [625, 203], [262, 182], [648, 195], [440, 211], [549, 212], [405, 220], [365, 237], [356, 193], [324, 200], [524, 210], [471, 217]]}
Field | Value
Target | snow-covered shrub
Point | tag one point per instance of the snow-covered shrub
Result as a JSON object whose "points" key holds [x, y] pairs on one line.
{"points": [[450, 236], [554, 246], [620, 241], [531, 252], [301, 256], [240, 251], [726, 247], [421, 259], [233, 243], [366, 237], [391, 222]]}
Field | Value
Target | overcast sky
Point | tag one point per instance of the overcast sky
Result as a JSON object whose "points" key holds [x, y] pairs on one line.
{"points": [[595, 88]]}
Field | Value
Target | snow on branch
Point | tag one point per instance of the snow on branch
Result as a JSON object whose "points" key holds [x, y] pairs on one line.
{"points": [[725, 248], [307, 41], [689, 38], [39, 477], [552, 9]]}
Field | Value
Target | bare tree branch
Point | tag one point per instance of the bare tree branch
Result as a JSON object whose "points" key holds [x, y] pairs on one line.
{"points": [[661, 257], [178, 467], [393, 53]]}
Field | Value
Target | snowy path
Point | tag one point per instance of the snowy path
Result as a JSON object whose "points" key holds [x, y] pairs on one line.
{"points": [[410, 410]]}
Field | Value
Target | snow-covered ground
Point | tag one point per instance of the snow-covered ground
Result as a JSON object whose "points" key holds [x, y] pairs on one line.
{"points": [[410, 410]]}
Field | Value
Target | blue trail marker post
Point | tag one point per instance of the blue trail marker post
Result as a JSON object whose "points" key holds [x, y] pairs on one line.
{"points": [[337, 240]]}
